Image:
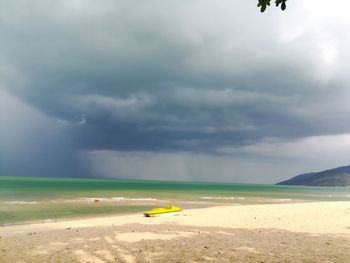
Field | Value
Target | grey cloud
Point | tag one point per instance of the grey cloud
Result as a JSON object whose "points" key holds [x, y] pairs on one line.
{"points": [[32, 144], [184, 166], [161, 76]]}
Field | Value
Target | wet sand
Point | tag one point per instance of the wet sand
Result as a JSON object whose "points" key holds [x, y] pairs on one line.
{"points": [[307, 232]]}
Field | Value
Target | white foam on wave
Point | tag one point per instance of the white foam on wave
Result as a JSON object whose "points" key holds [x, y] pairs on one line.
{"points": [[195, 202], [105, 199], [221, 198], [284, 199], [20, 202], [143, 199], [120, 198]]}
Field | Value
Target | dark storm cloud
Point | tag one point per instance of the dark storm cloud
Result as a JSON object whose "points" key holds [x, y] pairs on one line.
{"points": [[32, 144], [165, 76]]}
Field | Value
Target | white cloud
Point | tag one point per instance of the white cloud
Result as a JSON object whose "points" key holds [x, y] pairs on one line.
{"points": [[323, 10]]}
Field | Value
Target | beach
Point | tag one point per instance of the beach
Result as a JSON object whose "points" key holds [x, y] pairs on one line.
{"points": [[293, 232], [174, 131]]}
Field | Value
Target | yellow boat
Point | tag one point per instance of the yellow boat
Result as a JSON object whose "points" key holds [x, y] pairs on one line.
{"points": [[161, 210]]}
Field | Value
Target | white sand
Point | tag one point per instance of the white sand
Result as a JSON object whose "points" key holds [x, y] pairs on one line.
{"points": [[316, 218], [308, 232]]}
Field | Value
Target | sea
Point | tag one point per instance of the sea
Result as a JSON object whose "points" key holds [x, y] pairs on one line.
{"points": [[29, 199]]}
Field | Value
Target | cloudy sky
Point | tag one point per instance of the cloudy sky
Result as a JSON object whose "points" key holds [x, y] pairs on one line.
{"points": [[175, 90]]}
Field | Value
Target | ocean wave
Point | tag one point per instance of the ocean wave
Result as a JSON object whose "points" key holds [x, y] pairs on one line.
{"points": [[121, 198], [283, 200], [221, 198], [135, 199], [144, 199], [20, 202], [105, 199], [195, 202]]}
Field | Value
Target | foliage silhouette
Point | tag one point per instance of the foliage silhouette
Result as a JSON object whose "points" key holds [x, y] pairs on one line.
{"points": [[263, 4]]}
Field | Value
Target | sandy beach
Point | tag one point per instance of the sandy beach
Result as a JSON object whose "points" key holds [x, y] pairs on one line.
{"points": [[302, 232]]}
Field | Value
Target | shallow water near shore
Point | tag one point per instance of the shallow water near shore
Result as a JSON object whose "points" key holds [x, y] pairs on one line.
{"points": [[24, 199]]}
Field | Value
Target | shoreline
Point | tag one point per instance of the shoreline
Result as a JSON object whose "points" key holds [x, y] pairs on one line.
{"points": [[298, 232], [288, 216], [183, 204]]}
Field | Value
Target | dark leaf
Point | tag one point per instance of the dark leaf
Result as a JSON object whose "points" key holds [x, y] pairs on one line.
{"points": [[283, 6], [263, 4], [278, 2]]}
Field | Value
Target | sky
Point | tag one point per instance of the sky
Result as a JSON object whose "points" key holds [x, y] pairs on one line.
{"points": [[195, 90]]}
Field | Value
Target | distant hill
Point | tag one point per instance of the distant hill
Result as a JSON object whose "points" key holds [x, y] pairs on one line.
{"points": [[334, 177]]}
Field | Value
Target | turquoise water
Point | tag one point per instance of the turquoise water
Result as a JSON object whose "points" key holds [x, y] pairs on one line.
{"points": [[26, 199]]}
